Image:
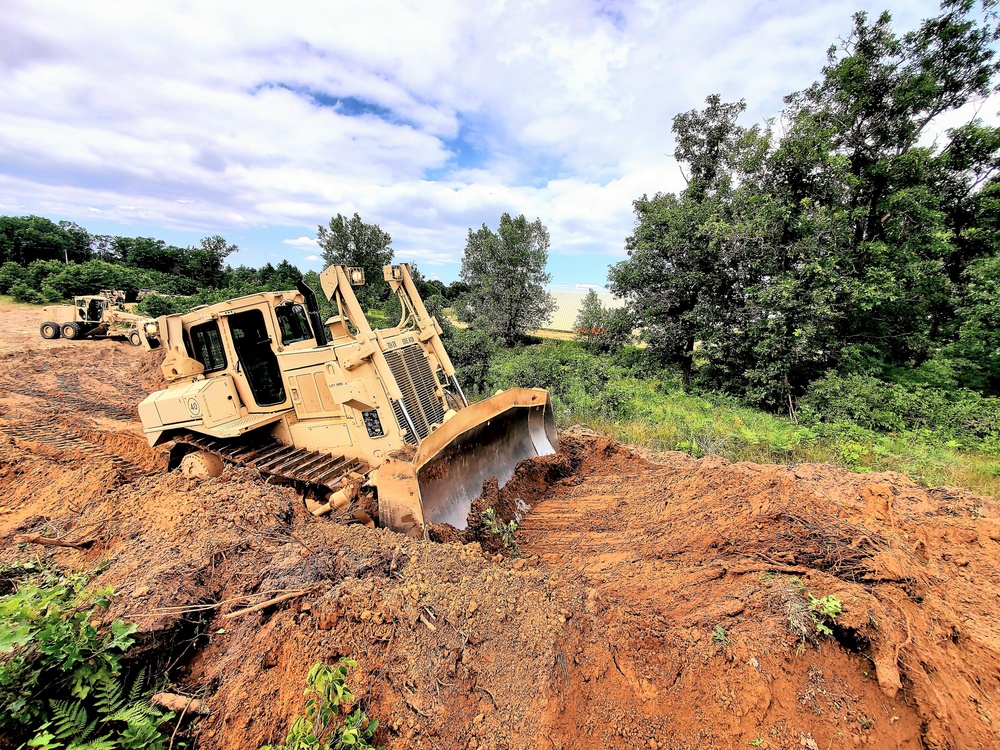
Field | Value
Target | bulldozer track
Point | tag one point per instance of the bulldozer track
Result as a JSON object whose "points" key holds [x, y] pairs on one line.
{"points": [[63, 440], [310, 468], [67, 398]]}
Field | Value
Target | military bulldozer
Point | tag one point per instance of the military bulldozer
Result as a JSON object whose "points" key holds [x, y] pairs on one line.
{"points": [[97, 316], [336, 407]]}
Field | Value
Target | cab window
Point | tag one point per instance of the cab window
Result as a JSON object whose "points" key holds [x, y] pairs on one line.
{"points": [[293, 323], [204, 343]]}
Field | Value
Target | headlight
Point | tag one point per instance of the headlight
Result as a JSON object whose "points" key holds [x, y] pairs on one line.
{"points": [[357, 276], [151, 329]]}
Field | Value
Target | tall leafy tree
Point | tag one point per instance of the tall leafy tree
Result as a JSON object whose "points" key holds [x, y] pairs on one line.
{"points": [[26, 239], [675, 280], [205, 263], [505, 271], [352, 242]]}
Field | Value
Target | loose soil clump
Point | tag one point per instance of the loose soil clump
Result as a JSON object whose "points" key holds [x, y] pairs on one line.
{"points": [[659, 601]]}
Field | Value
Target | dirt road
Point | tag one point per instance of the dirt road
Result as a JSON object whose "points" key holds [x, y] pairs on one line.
{"points": [[656, 604]]}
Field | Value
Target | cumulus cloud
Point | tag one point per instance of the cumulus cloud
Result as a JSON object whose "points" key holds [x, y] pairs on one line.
{"points": [[225, 117], [302, 243]]}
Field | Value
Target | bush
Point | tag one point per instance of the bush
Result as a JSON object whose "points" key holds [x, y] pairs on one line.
{"points": [[472, 353], [154, 305], [21, 292], [10, 274], [950, 414], [60, 679], [327, 725]]}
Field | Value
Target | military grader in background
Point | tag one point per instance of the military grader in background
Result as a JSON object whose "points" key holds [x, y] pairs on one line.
{"points": [[97, 316], [338, 407]]}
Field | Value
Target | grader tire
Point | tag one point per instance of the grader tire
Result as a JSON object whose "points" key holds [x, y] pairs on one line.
{"points": [[49, 330], [135, 339], [72, 331], [201, 465]]}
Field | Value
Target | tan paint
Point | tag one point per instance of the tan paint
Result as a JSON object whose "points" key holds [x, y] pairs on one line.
{"points": [[363, 396]]}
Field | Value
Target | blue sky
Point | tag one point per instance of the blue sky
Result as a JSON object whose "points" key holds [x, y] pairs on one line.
{"points": [[259, 121]]}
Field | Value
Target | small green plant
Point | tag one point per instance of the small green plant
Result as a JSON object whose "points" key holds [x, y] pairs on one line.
{"points": [[328, 723], [120, 721], [719, 635], [824, 612], [757, 742], [503, 531], [60, 678]]}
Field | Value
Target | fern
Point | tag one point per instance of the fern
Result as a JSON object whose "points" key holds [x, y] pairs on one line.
{"points": [[69, 720], [136, 692], [109, 696], [101, 743], [136, 713]]}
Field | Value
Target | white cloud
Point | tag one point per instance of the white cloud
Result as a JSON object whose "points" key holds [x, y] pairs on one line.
{"points": [[228, 117], [302, 243]]}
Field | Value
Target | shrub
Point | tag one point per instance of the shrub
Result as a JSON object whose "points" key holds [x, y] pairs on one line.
{"points": [[875, 404], [11, 273], [327, 725], [60, 678], [502, 531], [21, 292]]}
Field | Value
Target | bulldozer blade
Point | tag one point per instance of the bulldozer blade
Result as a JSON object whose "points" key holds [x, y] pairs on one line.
{"points": [[484, 440]]}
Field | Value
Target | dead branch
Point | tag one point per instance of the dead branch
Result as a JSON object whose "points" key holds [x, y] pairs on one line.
{"points": [[49, 542], [175, 703], [263, 605]]}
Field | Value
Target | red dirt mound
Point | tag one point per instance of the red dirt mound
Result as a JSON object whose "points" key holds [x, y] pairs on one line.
{"points": [[659, 602]]}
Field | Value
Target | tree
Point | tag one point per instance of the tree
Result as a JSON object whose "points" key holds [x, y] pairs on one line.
{"points": [[675, 281], [25, 239], [505, 271], [352, 242], [601, 329], [204, 264]]}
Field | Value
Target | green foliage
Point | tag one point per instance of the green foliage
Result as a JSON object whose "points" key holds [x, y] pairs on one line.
{"points": [[154, 305], [505, 271], [24, 239], [719, 635], [21, 292], [628, 397], [952, 414], [502, 531], [836, 241], [10, 274], [472, 353], [60, 678], [824, 612], [328, 723], [601, 329], [352, 242]]}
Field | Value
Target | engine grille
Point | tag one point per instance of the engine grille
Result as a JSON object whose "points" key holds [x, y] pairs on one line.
{"points": [[416, 381]]}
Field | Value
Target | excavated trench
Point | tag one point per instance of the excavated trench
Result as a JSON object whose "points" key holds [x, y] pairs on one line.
{"points": [[658, 600]]}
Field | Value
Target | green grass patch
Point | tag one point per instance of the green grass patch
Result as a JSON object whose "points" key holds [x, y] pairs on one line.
{"points": [[617, 396]]}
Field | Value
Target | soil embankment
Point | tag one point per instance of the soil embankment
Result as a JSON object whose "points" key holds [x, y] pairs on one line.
{"points": [[659, 602]]}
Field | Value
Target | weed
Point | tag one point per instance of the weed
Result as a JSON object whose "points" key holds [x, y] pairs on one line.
{"points": [[503, 531], [757, 742], [808, 615], [719, 635], [328, 723], [824, 612]]}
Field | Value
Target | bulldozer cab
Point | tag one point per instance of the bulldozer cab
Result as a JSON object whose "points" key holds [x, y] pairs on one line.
{"points": [[90, 309], [253, 344]]}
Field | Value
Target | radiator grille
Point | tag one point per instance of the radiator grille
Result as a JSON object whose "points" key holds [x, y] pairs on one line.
{"points": [[416, 382]]}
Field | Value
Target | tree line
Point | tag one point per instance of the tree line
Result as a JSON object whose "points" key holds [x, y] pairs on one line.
{"points": [[840, 237]]}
